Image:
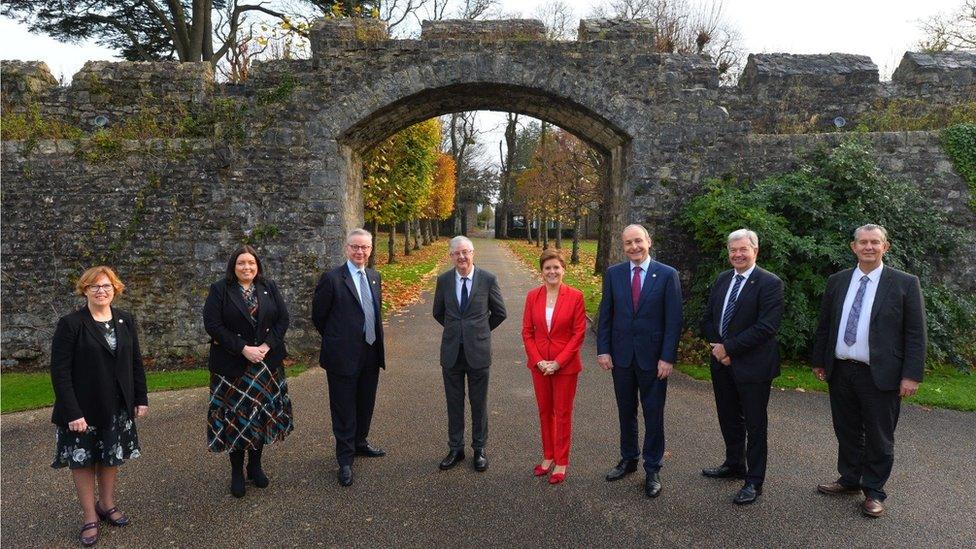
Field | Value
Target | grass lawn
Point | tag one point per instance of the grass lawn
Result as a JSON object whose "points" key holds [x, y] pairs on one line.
{"points": [[26, 391], [944, 386]]}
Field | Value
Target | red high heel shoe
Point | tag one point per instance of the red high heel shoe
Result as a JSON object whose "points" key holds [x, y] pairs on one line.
{"points": [[540, 470], [556, 478]]}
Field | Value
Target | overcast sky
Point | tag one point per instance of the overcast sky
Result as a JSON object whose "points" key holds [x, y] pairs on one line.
{"points": [[881, 29]]}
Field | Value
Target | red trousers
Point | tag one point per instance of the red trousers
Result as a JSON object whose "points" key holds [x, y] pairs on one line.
{"points": [[554, 394]]}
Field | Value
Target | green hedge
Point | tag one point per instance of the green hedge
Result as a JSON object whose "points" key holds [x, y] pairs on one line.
{"points": [[959, 142], [805, 220]]}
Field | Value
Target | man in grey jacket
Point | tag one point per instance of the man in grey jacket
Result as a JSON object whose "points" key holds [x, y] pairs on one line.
{"points": [[468, 304]]}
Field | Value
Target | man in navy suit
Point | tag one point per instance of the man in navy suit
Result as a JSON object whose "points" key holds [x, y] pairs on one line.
{"points": [[346, 312], [637, 340], [745, 308]]}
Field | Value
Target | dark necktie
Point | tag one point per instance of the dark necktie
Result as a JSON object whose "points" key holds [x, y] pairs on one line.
{"points": [[366, 300], [635, 286], [850, 331], [464, 293], [730, 308]]}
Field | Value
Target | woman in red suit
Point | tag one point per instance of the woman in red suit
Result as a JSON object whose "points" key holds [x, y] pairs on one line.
{"points": [[553, 329]]}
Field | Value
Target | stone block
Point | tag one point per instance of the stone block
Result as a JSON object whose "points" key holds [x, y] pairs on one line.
{"points": [[641, 30], [942, 69], [501, 30]]}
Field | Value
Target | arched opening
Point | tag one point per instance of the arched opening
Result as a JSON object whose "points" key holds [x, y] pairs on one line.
{"points": [[607, 139]]}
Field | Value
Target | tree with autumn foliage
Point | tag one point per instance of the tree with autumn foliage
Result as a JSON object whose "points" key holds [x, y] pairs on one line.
{"points": [[398, 175], [559, 185], [440, 203]]}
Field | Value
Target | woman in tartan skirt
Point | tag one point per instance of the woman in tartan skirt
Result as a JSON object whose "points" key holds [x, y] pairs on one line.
{"points": [[246, 318]]}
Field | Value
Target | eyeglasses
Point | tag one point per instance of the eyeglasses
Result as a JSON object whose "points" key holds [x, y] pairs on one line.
{"points": [[463, 253], [359, 247], [95, 288]]}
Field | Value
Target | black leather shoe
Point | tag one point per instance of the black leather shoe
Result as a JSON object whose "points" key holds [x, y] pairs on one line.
{"points": [[453, 458], [723, 471], [624, 468], [345, 475], [652, 485], [368, 451], [480, 460], [237, 487], [749, 493]]}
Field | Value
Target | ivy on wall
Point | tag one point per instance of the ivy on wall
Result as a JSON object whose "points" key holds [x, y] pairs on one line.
{"points": [[959, 142]]}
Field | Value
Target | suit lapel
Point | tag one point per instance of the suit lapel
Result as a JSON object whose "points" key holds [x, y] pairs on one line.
{"points": [[841, 295], [884, 285], [649, 279], [719, 303], [373, 291], [560, 297], [746, 290], [347, 277], [450, 288], [122, 334], [95, 331], [261, 291], [235, 295]]}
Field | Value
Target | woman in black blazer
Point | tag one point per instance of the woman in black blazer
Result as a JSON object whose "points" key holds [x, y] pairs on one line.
{"points": [[99, 387], [246, 318]]}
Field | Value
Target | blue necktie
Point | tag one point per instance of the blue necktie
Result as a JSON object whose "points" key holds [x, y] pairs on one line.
{"points": [[730, 308], [464, 293], [850, 332], [366, 300]]}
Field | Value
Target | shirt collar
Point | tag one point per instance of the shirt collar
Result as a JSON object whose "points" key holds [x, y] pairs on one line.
{"points": [[353, 269], [746, 274], [457, 276], [644, 265], [873, 275]]}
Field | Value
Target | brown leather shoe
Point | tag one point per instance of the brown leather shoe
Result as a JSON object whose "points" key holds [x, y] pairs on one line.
{"points": [[872, 508], [836, 488]]}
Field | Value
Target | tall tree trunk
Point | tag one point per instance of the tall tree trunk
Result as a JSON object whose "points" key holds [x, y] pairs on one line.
{"points": [[576, 236], [528, 228], [406, 237], [428, 233], [374, 230], [391, 245], [416, 234], [559, 233], [538, 230], [464, 220], [545, 233]]}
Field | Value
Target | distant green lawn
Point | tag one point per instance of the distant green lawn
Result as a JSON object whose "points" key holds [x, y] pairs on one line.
{"points": [[944, 387], [26, 391], [578, 276]]}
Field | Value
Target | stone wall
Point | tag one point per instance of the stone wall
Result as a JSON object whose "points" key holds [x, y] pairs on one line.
{"points": [[167, 213]]}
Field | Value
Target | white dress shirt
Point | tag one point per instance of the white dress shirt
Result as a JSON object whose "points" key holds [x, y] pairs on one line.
{"points": [[861, 350], [728, 293], [644, 265], [354, 271], [457, 286]]}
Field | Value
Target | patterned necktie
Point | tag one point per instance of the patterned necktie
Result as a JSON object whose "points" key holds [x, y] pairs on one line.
{"points": [[730, 308], [635, 286], [366, 300], [850, 331], [464, 293]]}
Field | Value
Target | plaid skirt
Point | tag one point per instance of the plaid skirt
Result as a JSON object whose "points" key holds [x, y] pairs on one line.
{"points": [[249, 411]]}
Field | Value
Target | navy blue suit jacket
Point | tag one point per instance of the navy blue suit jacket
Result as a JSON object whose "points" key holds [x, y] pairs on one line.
{"points": [[650, 333]]}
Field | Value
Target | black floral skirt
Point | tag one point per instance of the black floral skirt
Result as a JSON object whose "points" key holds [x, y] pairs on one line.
{"points": [[109, 446], [249, 411]]}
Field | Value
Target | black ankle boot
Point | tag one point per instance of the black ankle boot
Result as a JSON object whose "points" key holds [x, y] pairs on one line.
{"points": [[237, 473], [254, 471]]}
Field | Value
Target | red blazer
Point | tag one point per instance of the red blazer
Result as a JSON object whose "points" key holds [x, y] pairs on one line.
{"points": [[563, 342]]}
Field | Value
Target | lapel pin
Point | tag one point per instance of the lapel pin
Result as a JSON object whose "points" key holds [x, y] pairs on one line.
{"points": [[120, 321], [654, 275], [265, 293]]}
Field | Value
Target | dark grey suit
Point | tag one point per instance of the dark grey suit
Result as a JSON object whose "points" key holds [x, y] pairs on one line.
{"points": [[864, 399], [466, 350]]}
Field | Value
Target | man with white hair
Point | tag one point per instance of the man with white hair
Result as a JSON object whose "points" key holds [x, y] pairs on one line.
{"points": [[743, 315], [468, 304]]}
